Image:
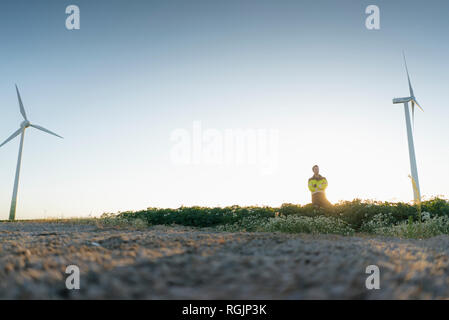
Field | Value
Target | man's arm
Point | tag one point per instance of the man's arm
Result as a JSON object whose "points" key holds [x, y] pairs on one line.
{"points": [[311, 186], [323, 184]]}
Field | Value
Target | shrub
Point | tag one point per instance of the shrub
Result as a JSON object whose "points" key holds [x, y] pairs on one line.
{"points": [[357, 215], [291, 224], [431, 227], [304, 224], [379, 221], [199, 216]]}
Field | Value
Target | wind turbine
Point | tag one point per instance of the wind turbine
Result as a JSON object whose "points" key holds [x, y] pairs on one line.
{"points": [[411, 147], [23, 126]]}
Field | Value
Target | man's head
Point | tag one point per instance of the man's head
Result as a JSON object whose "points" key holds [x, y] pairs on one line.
{"points": [[316, 169]]}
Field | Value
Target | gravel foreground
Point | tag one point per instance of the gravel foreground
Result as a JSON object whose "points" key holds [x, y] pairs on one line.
{"points": [[185, 263]]}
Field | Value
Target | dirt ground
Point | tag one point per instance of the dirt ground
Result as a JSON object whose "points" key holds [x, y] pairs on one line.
{"points": [[184, 263]]}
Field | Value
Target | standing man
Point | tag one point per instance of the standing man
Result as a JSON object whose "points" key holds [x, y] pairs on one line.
{"points": [[317, 185]]}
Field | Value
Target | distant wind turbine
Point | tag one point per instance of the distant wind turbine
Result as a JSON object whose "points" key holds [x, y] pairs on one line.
{"points": [[25, 124], [411, 147]]}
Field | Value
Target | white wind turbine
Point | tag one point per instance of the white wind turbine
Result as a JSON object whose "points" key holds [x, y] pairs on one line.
{"points": [[411, 147], [25, 124]]}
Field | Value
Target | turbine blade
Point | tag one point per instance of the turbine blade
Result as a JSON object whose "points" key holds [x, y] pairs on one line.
{"points": [[15, 134], [413, 113], [45, 130], [408, 77], [22, 109], [416, 102]]}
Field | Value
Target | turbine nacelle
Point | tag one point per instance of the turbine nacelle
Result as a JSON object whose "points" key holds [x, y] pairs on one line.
{"points": [[25, 124], [402, 100]]}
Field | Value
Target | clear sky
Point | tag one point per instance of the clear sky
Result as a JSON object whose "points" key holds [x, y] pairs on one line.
{"points": [[139, 72]]}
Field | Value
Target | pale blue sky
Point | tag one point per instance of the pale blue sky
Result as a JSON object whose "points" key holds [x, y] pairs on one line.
{"points": [[138, 70]]}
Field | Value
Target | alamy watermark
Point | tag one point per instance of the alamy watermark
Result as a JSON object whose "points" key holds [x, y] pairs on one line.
{"points": [[372, 22], [253, 147], [72, 22], [373, 280], [73, 280]]}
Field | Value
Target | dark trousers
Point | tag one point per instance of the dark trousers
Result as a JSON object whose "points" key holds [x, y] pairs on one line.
{"points": [[319, 199]]}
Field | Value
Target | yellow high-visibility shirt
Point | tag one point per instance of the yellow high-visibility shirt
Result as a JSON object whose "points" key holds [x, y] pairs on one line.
{"points": [[317, 184]]}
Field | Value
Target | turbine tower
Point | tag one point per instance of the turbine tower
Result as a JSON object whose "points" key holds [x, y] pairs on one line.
{"points": [[411, 147], [23, 126]]}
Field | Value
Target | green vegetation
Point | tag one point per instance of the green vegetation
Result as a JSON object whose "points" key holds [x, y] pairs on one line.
{"points": [[345, 218], [291, 224]]}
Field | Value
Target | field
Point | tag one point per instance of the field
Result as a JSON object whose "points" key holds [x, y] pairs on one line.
{"points": [[291, 252]]}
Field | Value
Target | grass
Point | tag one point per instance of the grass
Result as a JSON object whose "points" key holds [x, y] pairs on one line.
{"points": [[106, 221], [345, 218], [292, 224]]}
